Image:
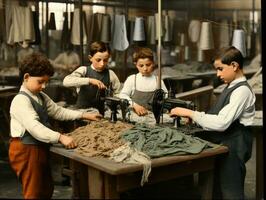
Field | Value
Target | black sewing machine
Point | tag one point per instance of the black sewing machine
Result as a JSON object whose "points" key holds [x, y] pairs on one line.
{"points": [[114, 103], [106, 98], [160, 104]]}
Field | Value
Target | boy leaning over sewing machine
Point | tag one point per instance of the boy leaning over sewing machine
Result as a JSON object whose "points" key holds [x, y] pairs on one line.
{"points": [[30, 129], [92, 80], [228, 122], [139, 88]]}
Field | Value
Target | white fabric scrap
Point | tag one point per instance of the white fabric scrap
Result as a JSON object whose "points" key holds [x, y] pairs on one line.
{"points": [[126, 154]]}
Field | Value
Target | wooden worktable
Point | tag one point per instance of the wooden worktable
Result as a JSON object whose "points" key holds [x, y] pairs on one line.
{"points": [[105, 179]]}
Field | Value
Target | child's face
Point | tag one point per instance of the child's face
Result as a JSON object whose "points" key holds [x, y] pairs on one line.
{"points": [[99, 60], [226, 73], [145, 66], [35, 84]]}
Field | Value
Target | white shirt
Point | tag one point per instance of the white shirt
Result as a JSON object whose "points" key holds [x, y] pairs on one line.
{"points": [[143, 83], [77, 79], [241, 106], [24, 117]]}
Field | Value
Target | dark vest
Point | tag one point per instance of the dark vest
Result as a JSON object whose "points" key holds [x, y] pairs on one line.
{"points": [[41, 110], [236, 128], [89, 94], [142, 98]]}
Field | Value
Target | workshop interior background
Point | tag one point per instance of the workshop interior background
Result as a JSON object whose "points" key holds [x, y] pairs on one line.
{"points": [[192, 31]]}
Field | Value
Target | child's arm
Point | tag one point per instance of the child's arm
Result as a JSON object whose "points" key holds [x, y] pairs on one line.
{"points": [[115, 82], [128, 89], [77, 78], [60, 113]]}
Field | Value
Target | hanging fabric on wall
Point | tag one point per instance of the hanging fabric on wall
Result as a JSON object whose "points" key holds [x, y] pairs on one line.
{"points": [[139, 30], [224, 37], [65, 36], [130, 30], [120, 41], [36, 28], [167, 29], [2, 26], [75, 33], [194, 30], [51, 24], [151, 32], [89, 17], [96, 25], [106, 29], [21, 28]]}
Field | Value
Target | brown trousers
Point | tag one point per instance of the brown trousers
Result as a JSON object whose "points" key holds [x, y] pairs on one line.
{"points": [[31, 164]]}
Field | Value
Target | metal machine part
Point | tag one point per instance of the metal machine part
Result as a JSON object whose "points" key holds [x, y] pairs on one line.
{"points": [[160, 104], [114, 103]]}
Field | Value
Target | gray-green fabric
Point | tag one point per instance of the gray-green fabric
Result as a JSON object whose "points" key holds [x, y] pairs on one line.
{"points": [[157, 141]]}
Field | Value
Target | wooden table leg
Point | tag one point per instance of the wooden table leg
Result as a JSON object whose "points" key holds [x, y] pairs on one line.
{"points": [[206, 183], [95, 183], [110, 187]]}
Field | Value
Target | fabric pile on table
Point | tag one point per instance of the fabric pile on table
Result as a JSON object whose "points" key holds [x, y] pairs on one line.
{"points": [[99, 138], [128, 143], [157, 141]]}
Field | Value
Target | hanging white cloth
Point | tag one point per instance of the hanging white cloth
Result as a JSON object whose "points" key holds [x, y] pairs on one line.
{"points": [[75, 33], [22, 27], [194, 30], [120, 41]]}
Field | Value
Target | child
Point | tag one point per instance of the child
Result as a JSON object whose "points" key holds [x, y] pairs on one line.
{"points": [[229, 120], [94, 79], [30, 129], [139, 88]]}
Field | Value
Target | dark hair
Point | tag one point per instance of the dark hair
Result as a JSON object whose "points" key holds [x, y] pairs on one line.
{"points": [[229, 54], [99, 46], [36, 64], [142, 52]]}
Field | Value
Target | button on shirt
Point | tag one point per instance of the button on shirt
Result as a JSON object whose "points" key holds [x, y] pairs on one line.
{"points": [[241, 106], [24, 117]]}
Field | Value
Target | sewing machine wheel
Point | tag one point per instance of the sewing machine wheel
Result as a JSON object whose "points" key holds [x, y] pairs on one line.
{"points": [[157, 103]]}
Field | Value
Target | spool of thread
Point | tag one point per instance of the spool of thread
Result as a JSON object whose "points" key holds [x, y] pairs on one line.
{"points": [[200, 56], [239, 41], [206, 36], [194, 30], [182, 39], [139, 31], [106, 29], [167, 28], [187, 53]]}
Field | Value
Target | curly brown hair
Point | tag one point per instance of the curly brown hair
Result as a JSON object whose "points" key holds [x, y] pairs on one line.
{"points": [[142, 52], [36, 64]]}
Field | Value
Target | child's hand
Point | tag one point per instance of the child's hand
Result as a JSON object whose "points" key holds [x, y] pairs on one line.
{"points": [[91, 116], [97, 83], [181, 112], [67, 141], [140, 110]]}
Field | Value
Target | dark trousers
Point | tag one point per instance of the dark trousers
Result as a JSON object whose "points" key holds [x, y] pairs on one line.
{"points": [[230, 169]]}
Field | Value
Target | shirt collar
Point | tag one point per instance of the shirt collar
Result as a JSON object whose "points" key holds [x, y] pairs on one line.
{"points": [[95, 69], [238, 80]]}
